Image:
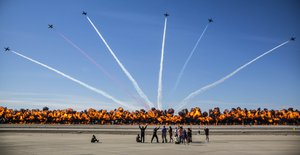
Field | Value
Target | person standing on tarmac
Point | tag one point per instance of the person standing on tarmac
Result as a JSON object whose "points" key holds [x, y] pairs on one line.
{"points": [[164, 135], [143, 128], [206, 130], [155, 134], [170, 134]]}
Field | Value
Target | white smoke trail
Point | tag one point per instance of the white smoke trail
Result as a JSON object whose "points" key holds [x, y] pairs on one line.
{"points": [[101, 68], [188, 59], [159, 89], [77, 81], [134, 83], [205, 88], [86, 55]]}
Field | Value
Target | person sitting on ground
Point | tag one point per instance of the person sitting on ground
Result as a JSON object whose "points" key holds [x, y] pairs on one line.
{"points": [[138, 138], [94, 139], [177, 140]]}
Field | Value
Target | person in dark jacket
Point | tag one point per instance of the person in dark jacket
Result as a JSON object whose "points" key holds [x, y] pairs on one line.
{"points": [[94, 139], [164, 135], [155, 134], [170, 134], [138, 138], [143, 128], [206, 130], [184, 136], [189, 135]]}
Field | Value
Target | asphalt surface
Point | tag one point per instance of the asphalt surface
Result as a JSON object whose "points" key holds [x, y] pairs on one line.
{"points": [[113, 144], [134, 129]]}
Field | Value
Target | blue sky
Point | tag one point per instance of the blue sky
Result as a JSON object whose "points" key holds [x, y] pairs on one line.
{"points": [[242, 30]]}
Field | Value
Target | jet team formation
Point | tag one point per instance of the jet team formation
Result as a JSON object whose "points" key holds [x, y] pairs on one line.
{"points": [[142, 99]]}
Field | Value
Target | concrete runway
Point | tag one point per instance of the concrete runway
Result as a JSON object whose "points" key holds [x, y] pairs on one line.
{"points": [[134, 129], [112, 144]]}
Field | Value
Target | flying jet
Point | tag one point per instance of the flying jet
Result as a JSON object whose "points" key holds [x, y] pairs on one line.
{"points": [[210, 20], [166, 14], [293, 39], [50, 26], [84, 13], [6, 49]]}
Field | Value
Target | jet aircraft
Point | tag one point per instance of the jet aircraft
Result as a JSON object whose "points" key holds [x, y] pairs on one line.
{"points": [[6, 49], [293, 39]]}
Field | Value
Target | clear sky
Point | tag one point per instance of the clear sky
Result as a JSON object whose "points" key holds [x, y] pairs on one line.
{"points": [[241, 31]]}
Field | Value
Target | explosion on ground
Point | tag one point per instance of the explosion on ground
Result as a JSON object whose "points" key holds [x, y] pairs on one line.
{"points": [[235, 116]]}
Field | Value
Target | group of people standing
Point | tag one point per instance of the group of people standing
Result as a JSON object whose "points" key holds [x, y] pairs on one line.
{"points": [[181, 135]]}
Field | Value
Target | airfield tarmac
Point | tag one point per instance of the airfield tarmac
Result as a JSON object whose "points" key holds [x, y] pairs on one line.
{"points": [[134, 129], [31, 139], [79, 144]]}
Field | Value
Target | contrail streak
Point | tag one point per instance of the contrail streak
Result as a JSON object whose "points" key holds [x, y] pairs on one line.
{"points": [[76, 81], [188, 59], [134, 83], [205, 88], [159, 90], [100, 67], [86, 55]]}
